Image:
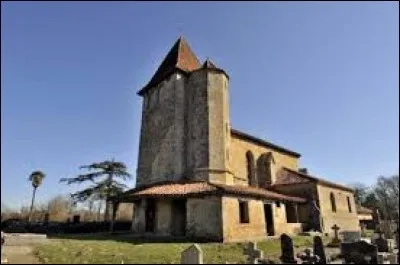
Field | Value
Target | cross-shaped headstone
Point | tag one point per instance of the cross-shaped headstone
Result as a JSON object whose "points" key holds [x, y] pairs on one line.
{"points": [[253, 254], [192, 255], [336, 229]]}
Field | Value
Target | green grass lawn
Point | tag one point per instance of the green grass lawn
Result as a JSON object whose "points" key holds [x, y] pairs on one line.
{"points": [[100, 250]]}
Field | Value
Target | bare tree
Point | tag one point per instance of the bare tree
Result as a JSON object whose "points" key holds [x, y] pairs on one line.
{"points": [[387, 194], [361, 191], [58, 208]]}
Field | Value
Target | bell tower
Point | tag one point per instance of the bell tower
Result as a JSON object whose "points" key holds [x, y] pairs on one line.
{"points": [[208, 124]]}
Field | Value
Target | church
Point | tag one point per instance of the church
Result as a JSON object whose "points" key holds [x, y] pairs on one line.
{"points": [[199, 178]]}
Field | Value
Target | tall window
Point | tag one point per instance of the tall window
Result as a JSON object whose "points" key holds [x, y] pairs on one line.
{"points": [[244, 212], [251, 174], [333, 202], [349, 204], [263, 171]]}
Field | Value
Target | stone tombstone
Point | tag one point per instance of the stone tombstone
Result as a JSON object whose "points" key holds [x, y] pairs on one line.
{"points": [[308, 257], [192, 255], [382, 244], [393, 258], [287, 251], [391, 244], [319, 250], [359, 253], [336, 229], [253, 254], [351, 236], [383, 258]]}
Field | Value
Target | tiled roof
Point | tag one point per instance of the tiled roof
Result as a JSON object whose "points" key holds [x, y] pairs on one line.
{"points": [[262, 142], [180, 57], [287, 176], [363, 210], [208, 64], [191, 189]]}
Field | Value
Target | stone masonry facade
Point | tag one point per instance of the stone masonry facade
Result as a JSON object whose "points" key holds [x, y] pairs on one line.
{"points": [[229, 186]]}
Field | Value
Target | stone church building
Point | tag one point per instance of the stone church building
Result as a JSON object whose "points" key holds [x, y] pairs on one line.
{"points": [[199, 178]]}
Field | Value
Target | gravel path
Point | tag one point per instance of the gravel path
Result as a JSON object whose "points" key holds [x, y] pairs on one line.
{"points": [[18, 248]]}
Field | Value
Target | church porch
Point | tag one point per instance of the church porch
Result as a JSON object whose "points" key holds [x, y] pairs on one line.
{"points": [[209, 212]]}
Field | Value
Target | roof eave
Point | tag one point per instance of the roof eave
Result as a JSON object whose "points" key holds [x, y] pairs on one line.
{"points": [[265, 143], [147, 87]]}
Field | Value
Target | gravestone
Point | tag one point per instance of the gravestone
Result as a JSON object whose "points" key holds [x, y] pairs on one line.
{"points": [[319, 250], [381, 258], [287, 250], [192, 255], [366, 239], [335, 241], [393, 258], [391, 244], [359, 253], [351, 236], [253, 254], [308, 257], [382, 245], [336, 229]]}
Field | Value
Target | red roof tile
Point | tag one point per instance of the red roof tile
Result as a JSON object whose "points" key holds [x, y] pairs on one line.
{"points": [[180, 57], [204, 188], [287, 176]]}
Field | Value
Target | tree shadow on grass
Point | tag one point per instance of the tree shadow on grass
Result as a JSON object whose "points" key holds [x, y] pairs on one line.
{"points": [[129, 237]]}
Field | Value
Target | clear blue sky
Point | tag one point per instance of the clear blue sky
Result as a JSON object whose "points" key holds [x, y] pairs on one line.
{"points": [[318, 78]]}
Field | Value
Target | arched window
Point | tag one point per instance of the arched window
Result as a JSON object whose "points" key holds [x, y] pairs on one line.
{"points": [[251, 174], [333, 202], [349, 204], [264, 170]]}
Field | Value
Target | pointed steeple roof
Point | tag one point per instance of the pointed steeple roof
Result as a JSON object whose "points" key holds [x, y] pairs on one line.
{"points": [[208, 64], [180, 57]]}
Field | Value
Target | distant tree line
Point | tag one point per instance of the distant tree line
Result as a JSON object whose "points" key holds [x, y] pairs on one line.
{"points": [[105, 181], [383, 196]]}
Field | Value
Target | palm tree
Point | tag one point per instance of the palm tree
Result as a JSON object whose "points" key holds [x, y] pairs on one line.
{"points": [[36, 178], [102, 188]]}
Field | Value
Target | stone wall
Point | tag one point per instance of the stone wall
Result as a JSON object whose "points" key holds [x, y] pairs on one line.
{"points": [[138, 221], [208, 127], [162, 132], [342, 217], [163, 217], [233, 230], [204, 218], [238, 163]]}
